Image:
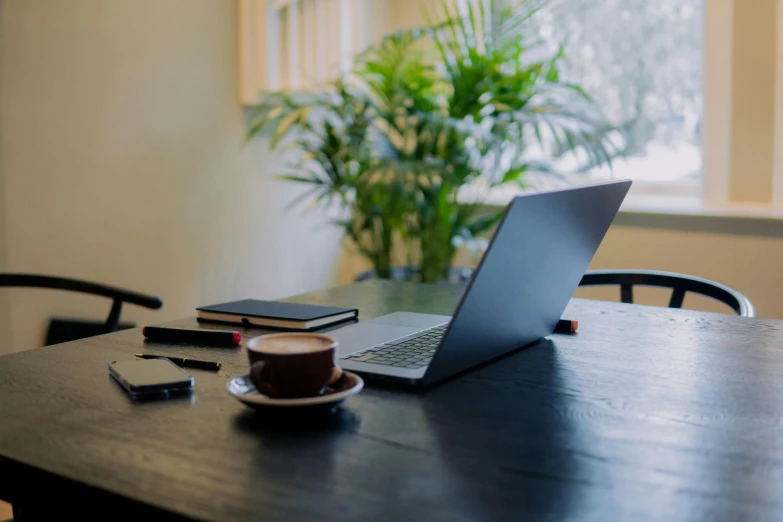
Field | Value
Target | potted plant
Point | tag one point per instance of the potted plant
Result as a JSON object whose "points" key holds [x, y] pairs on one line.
{"points": [[425, 117]]}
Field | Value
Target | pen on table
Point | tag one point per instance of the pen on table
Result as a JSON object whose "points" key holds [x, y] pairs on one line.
{"points": [[183, 362], [162, 334], [566, 326]]}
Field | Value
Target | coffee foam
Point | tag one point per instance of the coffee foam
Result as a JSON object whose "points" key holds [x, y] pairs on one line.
{"points": [[292, 344]]}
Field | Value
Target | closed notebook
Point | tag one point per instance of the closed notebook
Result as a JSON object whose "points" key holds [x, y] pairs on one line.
{"points": [[274, 314]]}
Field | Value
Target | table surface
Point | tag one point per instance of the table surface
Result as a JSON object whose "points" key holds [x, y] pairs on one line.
{"points": [[646, 413]]}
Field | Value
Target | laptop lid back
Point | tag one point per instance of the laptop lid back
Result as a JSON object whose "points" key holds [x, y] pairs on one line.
{"points": [[538, 255]]}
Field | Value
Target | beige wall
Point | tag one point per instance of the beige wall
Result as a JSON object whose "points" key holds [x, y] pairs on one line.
{"points": [[122, 162]]}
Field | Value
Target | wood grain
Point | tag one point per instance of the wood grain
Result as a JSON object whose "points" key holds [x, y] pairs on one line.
{"points": [[645, 414]]}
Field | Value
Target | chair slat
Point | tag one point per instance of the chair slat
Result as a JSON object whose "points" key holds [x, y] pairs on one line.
{"points": [[678, 295], [626, 293]]}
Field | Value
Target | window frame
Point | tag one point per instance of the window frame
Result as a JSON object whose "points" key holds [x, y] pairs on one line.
{"points": [[718, 73], [303, 37], [719, 149]]}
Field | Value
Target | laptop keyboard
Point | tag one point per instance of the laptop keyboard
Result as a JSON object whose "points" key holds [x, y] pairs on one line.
{"points": [[409, 352]]}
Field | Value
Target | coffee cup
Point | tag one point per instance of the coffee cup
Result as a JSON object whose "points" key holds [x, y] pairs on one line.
{"points": [[293, 365]]}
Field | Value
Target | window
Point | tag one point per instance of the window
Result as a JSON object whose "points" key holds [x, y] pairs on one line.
{"points": [[641, 62], [716, 107], [693, 82], [296, 43]]}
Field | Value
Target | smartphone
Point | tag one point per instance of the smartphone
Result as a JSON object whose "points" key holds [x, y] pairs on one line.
{"points": [[143, 378]]}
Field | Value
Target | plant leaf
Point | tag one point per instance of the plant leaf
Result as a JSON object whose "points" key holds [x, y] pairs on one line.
{"points": [[283, 127]]}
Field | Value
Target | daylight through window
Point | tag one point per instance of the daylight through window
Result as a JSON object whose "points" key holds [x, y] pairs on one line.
{"points": [[641, 61]]}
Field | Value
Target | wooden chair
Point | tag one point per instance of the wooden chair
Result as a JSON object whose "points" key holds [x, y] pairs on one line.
{"points": [[118, 295], [679, 283]]}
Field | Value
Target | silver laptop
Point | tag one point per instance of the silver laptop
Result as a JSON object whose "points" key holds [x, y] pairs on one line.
{"points": [[539, 252]]}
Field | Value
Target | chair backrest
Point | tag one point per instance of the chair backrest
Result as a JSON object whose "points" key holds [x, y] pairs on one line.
{"points": [[679, 283], [118, 295]]}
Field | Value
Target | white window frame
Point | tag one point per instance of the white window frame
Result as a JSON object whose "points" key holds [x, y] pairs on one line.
{"points": [[719, 99], [294, 44], [718, 72]]}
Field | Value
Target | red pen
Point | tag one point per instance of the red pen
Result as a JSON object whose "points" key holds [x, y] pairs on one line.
{"points": [[566, 326]]}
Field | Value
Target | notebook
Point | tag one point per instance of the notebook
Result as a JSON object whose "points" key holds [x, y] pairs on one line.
{"points": [[274, 314]]}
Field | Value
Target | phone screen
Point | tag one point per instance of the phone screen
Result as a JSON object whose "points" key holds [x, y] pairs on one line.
{"points": [[148, 376]]}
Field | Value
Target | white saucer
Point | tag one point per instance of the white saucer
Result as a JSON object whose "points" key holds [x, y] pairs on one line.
{"points": [[242, 389]]}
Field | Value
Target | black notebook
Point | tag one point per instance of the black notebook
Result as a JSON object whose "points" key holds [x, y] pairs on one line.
{"points": [[274, 314]]}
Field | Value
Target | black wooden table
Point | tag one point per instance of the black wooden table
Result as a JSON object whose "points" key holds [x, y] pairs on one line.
{"points": [[645, 414]]}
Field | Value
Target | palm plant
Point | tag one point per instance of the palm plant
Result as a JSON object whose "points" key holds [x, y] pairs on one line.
{"points": [[465, 102]]}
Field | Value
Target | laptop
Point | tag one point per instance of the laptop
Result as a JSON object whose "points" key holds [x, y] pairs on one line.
{"points": [[540, 250]]}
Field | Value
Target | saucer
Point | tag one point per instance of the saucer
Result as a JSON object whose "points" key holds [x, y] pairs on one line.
{"points": [[242, 389]]}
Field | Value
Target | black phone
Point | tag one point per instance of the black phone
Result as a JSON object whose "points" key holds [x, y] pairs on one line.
{"points": [[143, 378]]}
